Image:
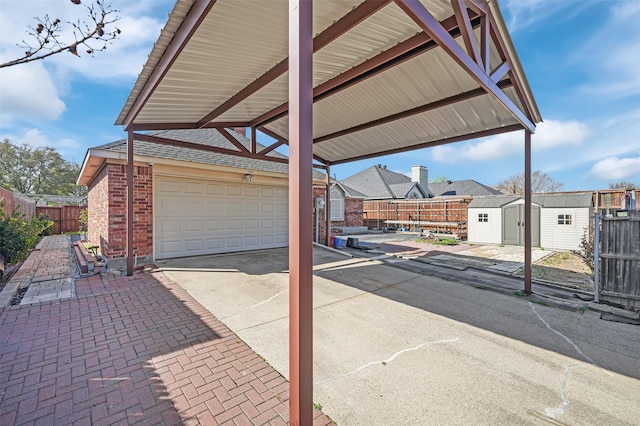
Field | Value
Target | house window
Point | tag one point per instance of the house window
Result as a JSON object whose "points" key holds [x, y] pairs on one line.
{"points": [[337, 205], [565, 219], [483, 217]]}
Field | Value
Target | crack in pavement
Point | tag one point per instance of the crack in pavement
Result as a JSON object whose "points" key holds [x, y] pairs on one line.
{"points": [[386, 361], [552, 412], [255, 305]]}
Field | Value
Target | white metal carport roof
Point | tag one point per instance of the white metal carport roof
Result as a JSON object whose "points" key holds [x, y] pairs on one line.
{"points": [[363, 78]]}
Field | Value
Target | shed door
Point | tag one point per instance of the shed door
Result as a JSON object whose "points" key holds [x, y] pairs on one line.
{"points": [[513, 225], [196, 217]]}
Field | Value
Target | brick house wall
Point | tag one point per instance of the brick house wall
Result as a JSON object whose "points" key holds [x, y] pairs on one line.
{"points": [[107, 214], [353, 214]]}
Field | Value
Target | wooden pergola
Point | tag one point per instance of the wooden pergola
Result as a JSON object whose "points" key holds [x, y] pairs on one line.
{"points": [[337, 81]]}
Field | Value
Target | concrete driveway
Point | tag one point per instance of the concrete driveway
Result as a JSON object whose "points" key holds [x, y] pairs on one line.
{"points": [[393, 346]]}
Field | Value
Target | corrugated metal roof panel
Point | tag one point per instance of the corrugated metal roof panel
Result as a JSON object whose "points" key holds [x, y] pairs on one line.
{"points": [[238, 41]]}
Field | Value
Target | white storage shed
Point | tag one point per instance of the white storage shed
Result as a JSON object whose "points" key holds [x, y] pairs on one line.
{"points": [[559, 220]]}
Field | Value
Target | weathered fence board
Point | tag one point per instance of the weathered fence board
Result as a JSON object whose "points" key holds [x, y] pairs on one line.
{"points": [[620, 255], [65, 218], [441, 215]]}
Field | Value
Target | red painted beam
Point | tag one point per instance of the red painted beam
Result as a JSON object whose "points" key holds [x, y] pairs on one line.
{"points": [[413, 111], [232, 140], [480, 134], [190, 24], [404, 51], [218, 150], [300, 212], [421, 16]]}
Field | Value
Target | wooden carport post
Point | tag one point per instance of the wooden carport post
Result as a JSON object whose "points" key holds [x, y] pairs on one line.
{"points": [[129, 202], [527, 211], [300, 212]]}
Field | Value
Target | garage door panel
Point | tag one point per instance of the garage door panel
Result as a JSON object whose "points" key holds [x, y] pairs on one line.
{"points": [[194, 245], [215, 189], [215, 244], [251, 242], [195, 217], [193, 187], [234, 207], [252, 207], [169, 185], [233, 242], [251, 191], [234, 224], [234, 190], [193, 226], [215, 225], [215, 207]]}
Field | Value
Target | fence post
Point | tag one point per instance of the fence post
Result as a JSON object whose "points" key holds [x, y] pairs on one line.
{"points": [[596, 259]]}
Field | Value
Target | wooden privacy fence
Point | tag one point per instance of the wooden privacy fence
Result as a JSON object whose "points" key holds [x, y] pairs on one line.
{"points": [[620, 258], [65, 218], [442, 216]]}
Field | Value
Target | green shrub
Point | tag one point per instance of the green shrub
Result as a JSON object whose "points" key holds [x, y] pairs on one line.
{"points": [[18, 236]]}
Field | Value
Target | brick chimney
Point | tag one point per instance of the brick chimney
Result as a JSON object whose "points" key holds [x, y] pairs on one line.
{"points": [[241, 130], [420, 174]]}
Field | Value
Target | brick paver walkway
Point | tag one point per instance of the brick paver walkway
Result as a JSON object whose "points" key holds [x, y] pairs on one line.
{"points": [[131, 350]]}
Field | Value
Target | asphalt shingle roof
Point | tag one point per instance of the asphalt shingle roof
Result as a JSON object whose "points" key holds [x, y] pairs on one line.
{"points": [[467, 187], [209, 137], [378, 182]]}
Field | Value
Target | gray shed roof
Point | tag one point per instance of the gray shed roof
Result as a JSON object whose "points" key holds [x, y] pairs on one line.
{"points": [[206, 137], [568, 200], [461, 187]]}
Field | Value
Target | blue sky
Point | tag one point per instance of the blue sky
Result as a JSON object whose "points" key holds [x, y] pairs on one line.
{"points": [[582, 60]]}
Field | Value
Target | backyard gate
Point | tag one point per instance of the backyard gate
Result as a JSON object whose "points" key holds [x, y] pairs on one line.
{"points": [[65, 218], [620, 258]]}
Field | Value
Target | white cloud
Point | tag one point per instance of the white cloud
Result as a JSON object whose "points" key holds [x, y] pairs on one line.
{"points": [[613, 168], [549, 134], [521, 14], [35, 92], [29, 93], [37, 139]]}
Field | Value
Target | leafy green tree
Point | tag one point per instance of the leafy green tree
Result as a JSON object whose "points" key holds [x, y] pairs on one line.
{"points": [[540, 182], [37, 170], [439, 179], [50, 36]]}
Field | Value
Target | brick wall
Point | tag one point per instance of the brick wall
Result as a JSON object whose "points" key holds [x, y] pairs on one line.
{"points": [[352, 214], [107, 224]]}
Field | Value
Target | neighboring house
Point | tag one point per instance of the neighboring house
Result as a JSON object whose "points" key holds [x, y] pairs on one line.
{"points": [[186, 201], [466, 188], [558, 220], [346, 208], [378, 183]]}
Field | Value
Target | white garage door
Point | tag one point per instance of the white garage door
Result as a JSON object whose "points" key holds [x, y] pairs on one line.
{"points": [[195, 217]]}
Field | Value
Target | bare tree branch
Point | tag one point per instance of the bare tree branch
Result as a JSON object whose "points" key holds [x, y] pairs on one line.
{"points": [[47, 32], [540, 182]]}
